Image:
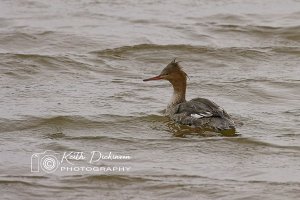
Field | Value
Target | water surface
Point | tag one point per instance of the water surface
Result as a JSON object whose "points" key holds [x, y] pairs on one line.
{"points": [[71, 81]]}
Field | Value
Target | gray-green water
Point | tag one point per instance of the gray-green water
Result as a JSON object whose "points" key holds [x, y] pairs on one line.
{"points": [[71, 81]]}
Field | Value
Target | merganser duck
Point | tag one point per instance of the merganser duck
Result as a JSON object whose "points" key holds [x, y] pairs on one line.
{"points": [[199, 112]]}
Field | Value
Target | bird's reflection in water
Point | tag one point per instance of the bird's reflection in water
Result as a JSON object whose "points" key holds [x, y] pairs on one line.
{"points": [[179, 130]]}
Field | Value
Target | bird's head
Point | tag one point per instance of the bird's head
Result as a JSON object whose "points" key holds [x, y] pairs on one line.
{"points": [[172, 72]]}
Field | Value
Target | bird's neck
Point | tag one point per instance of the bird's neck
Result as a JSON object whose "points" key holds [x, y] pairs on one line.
{"points": [[178, 96]]}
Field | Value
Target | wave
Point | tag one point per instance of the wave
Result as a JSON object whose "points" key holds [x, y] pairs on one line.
{"points": [[27, 65], [252, 141], [31, 122], [182, 49], [105, 139], [109, 178], [13, 63], [256, 53], [290, 33]]}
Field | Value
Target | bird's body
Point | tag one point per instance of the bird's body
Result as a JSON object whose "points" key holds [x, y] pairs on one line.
{"points": [[199, 112]]}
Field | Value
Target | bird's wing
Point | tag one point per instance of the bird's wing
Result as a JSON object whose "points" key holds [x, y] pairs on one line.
{"points": [[202, 113], [200, 108]]}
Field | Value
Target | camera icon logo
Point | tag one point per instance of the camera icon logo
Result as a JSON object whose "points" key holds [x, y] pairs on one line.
{"points": [[46, 161]]}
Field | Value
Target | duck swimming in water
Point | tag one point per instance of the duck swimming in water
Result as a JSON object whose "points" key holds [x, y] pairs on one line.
{"points": [[199, 112]]}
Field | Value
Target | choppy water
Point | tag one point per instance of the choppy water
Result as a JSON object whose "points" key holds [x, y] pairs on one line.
{"points": [[71, 72]]}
